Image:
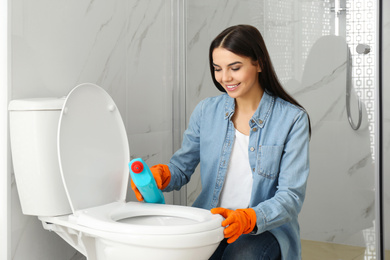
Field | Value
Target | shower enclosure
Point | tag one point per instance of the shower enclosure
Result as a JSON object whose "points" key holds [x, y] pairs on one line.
{"points": [[326, 55]]}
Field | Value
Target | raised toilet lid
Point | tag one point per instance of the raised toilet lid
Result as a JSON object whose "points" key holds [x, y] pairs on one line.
{"points": [[92, 148]]}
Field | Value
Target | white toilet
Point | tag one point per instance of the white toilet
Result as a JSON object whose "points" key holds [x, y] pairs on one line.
{"points": [[70, 157]]}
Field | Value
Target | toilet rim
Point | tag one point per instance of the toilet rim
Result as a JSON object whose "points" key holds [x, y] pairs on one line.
{"points": [[67, 224], [105, 218]]}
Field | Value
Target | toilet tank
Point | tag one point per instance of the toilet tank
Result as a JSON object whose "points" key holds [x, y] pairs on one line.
{"points": [[33, 132]]}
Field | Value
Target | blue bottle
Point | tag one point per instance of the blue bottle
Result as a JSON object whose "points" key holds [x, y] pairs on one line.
{"points": [[144, 180]]}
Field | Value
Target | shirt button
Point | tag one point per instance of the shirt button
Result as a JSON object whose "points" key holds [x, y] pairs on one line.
{"points": [[252, 121], [252, 149], [254, 129], [260, 121], [227, 114]]}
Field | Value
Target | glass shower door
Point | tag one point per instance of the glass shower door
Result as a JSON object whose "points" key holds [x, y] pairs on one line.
{"points": [[325, 55], [338, 90]]}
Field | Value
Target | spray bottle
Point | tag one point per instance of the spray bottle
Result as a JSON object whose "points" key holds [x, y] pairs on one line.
{"points": [[144, 180]]}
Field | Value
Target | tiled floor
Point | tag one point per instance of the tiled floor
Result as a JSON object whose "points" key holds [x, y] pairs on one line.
{"points": [[312, 250]]}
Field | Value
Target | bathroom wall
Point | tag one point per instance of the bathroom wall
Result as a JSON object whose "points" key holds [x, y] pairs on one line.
{"points": [[125, 46]]}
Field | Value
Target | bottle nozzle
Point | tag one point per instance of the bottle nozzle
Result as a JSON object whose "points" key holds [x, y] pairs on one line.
{"points": [[137, 167]]}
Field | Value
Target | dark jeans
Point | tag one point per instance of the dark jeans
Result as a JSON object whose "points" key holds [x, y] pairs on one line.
{"points": [[261, 247]]}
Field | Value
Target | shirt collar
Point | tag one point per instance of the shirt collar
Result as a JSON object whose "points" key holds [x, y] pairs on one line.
{"points": [[261, 114]]}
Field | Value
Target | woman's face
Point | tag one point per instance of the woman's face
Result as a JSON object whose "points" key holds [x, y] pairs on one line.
{"points": [[238, 75]]}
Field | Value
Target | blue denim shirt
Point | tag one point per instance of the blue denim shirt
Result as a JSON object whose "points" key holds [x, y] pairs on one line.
{"points": [[278, 155]]}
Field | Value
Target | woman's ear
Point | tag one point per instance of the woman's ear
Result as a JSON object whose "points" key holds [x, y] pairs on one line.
{"points": [[258, 68]]}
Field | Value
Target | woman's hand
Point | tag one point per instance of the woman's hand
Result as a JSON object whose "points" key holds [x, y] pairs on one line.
{"points": [[237, 222]]}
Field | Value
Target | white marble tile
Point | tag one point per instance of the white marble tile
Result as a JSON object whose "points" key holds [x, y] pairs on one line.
{"points": [[122, 46], [57, 46], [149, 82]]}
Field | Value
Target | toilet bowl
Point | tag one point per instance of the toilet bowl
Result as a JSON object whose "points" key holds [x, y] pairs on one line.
{"points": [[70, 158], [136, 230]]}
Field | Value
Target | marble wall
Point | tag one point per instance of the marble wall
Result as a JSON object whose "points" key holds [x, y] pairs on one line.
{"points": [[124, 46]]}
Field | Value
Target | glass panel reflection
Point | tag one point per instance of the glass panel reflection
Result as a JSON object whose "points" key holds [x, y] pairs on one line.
{"points": [[313, 48]]}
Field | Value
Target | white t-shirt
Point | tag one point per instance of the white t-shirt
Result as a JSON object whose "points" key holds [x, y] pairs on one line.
{"points": [[237, 189]]}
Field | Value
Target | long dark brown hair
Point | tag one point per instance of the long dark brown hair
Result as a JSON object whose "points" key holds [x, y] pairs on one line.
{"points": [[246, 41]]}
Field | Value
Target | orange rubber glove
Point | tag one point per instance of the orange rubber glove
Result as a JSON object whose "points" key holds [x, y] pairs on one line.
{"points": [[237, 222], [161, 175]]}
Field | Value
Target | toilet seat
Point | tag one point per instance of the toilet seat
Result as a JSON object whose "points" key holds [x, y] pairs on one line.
{"points": [[93, 150], [99, 223], [149, 219]]}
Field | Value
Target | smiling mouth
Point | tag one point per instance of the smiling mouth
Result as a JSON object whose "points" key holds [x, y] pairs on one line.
{"points": [[232, 87]]}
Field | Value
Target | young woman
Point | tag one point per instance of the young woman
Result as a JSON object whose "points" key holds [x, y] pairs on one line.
{"points": [[252, 143]]}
